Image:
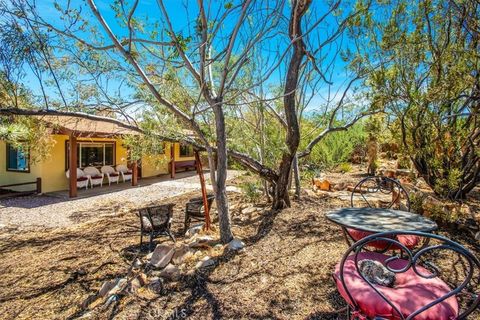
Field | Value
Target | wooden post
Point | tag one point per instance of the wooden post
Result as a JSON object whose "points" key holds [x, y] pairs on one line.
{"points": [[73, 166], [204, 189], [134, 173], [172, 160], [39, 185]]}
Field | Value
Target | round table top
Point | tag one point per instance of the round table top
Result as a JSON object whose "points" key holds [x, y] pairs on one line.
{"points": [[381, 220]]}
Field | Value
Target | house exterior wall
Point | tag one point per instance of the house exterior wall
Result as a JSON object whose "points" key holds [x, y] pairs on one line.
{"points": [[52, 169]]}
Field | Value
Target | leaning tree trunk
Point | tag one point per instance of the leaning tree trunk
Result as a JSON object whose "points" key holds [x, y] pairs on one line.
{"points": [[281, 198], [220, 190]]}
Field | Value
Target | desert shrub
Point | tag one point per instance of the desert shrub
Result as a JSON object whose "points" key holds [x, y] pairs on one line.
{"points": [[336, 148], [252, 190], [344, 167]]}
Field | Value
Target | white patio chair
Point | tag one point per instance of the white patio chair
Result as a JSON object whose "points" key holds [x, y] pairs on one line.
{"points": [[96, 177], [124, 172], [82, 178], [111, 174]]}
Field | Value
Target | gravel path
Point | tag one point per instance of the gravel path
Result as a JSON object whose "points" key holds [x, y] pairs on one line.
{"points": [[54, 211]]}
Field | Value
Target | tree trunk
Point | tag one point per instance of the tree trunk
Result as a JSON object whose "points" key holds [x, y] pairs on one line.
{"points": [[296, 177], [211, 165], [281, 198], [220, 192]]}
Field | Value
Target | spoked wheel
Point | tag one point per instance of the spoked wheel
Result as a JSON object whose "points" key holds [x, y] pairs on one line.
{"points": [[380, 192]]}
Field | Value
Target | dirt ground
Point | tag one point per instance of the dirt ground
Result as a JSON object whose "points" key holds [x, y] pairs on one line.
{"points": [[285, 271]]}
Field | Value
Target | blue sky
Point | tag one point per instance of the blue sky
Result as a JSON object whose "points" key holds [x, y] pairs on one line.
{"points": [[182, 14]]}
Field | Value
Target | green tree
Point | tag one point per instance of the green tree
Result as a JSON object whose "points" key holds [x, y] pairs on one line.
{"points": [[425, 61]]}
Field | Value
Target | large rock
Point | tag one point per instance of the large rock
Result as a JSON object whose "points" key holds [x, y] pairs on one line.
{"points": [[205, 262], [181, 253], [171, 272], [162, 255], [236, 244]]}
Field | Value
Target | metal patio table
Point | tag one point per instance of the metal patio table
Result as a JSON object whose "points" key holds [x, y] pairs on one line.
{"points": [[381, 220]]}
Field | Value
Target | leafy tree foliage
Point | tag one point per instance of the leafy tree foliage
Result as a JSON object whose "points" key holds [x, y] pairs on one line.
{"points": [[425, 62]]}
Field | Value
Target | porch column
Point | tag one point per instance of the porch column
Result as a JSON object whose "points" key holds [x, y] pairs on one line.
{"points": [[73, 166], [134, 173], [172, 160], [198, 164]]}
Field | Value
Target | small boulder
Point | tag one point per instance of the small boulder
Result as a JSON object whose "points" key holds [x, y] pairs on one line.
{"points": [[339, 186], [322, 184], [181, 253], [162, 255], [156, 285], [194, 230], [202, 241], [236, 244], [137, 263], [106, 287], [249, 210], [171, 272], [135, 285], [112, 287], [205, 262]]}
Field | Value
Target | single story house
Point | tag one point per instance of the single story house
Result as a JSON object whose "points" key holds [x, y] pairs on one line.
{"points": [[98, 143]]}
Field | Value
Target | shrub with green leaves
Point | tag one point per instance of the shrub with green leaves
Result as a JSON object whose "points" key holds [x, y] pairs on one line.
{"points": [[336, 148], [252, 190]]}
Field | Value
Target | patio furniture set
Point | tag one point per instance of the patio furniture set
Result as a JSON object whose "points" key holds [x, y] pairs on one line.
{"points": [[91, 176], [392, 268], [157, 220]]}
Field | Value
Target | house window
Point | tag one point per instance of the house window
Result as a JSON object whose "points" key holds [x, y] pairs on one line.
{"points": [[186, 150], [93, 154], [17, 160]]}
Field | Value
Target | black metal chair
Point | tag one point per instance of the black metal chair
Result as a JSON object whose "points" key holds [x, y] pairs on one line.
{"points": [[380, 192], [420, 291], [195, 211], [156, 221]]}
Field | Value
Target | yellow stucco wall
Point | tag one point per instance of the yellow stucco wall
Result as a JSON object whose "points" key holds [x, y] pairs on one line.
{"points": [[11, 177], [157, 165], [52, 169]]}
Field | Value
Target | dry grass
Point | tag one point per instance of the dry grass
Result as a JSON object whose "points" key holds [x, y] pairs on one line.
{"points": [[284, 273]]}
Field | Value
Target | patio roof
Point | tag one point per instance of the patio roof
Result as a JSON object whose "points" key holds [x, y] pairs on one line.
{"points": [[77, 123]]}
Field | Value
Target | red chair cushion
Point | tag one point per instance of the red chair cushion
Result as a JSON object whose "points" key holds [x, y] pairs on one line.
{"points": [[113, 174], [409, 241], [97, 177], [409, 293], [82, 179], [129, 172]]}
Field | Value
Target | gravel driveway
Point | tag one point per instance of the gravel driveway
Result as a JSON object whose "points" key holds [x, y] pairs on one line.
{"points": [[55, 210]]}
